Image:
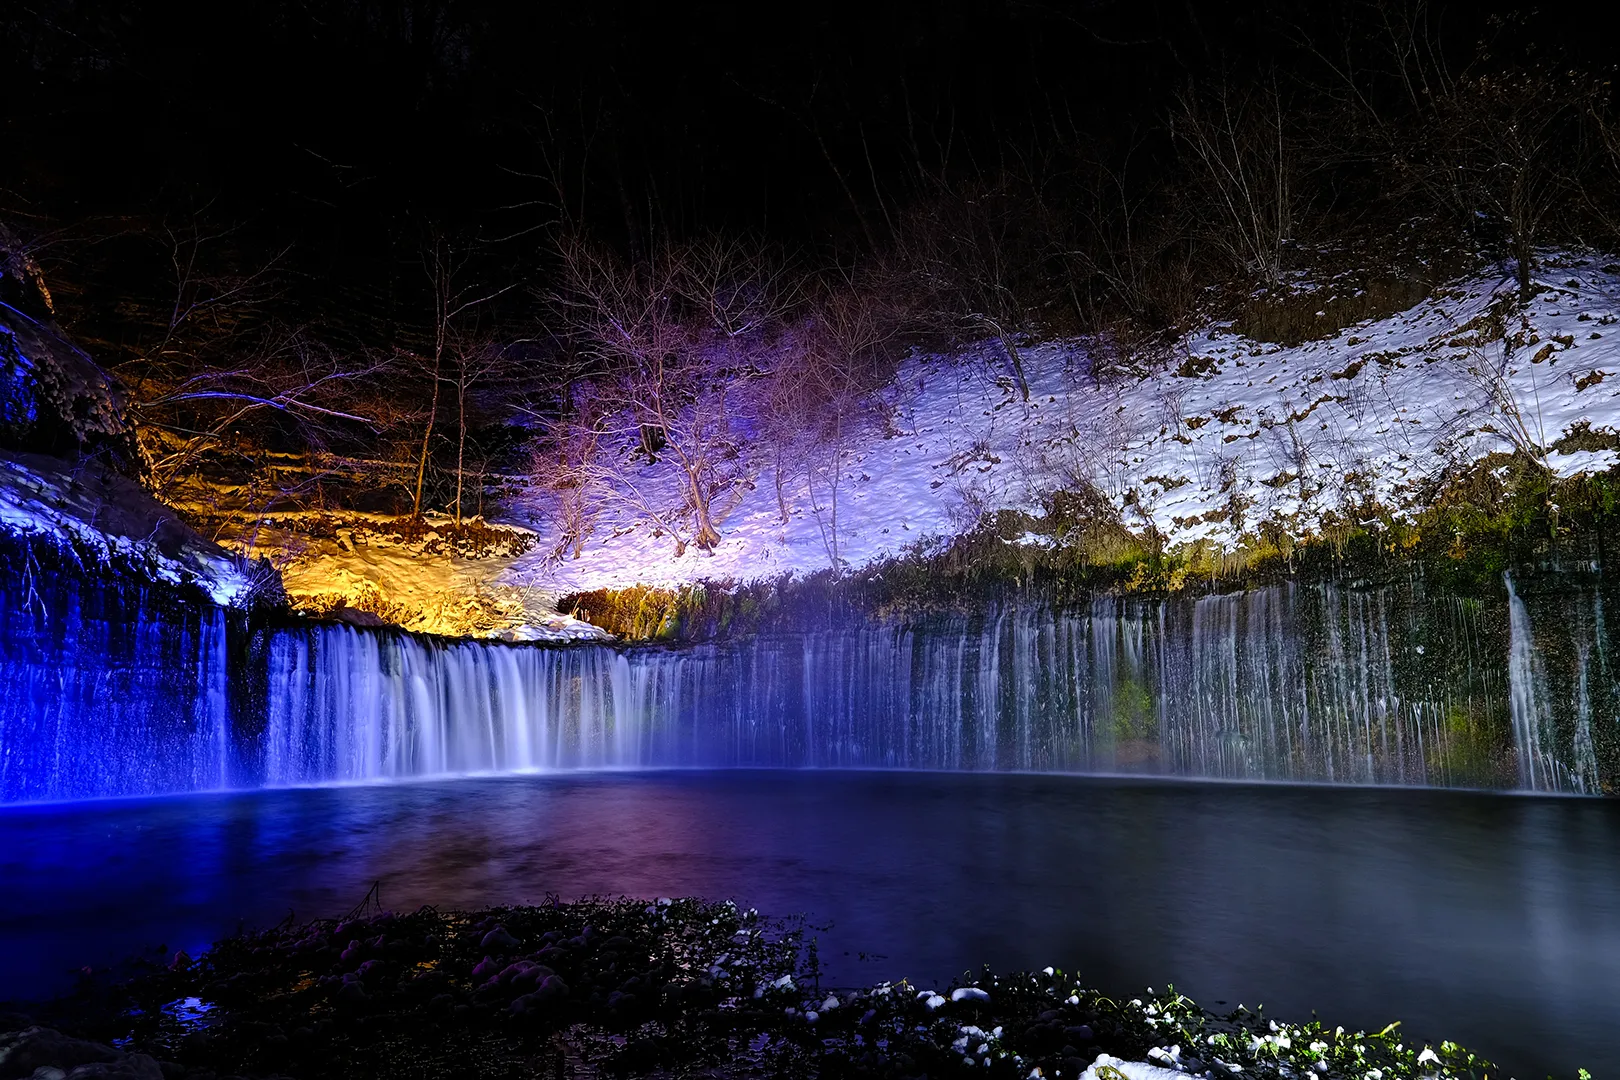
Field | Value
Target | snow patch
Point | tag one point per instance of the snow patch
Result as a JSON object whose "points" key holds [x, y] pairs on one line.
{"points": [[48, 498], [1234, 433]]}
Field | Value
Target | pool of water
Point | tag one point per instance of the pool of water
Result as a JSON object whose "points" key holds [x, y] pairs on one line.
{"points": [[1492, 920]]}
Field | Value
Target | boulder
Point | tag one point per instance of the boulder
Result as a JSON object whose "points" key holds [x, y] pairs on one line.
{"points": [[21, 1052]]}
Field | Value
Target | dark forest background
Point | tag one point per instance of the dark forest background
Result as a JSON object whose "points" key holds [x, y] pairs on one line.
{"points": [[398, 243]]}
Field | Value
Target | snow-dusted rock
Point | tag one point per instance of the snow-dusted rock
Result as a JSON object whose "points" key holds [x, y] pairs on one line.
{"points": [[1106, 1066]]}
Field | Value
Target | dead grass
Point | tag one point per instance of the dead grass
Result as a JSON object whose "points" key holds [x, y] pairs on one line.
{"points": [[1295, 317]]}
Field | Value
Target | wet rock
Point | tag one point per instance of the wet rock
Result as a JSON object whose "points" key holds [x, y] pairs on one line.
{"points": [[499, 938], [532, 975], [426, 985], [351, 995], [21, 1052], [129, 1067], [1047, 1033], [512, 972]]}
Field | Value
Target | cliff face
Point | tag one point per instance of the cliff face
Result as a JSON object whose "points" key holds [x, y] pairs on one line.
{"points": [[53, 397], [66, 457], [108, 521]]}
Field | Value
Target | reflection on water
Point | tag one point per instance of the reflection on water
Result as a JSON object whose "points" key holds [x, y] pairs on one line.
{"points": [[1491, 920]]}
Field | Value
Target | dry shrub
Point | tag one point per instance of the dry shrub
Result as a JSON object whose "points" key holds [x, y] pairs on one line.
{"points": [[637, 613], [1296, 317]]}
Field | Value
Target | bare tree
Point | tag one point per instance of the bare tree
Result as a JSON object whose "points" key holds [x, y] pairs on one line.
{"points": [[1497, 149], [665, 337], [968, 248], [291, 374], [1134, 257], [846, 363], [478, 359], [1237, 146], [450, 343], [567, 466], [1507, 150], [207, 363], [785, 402]]}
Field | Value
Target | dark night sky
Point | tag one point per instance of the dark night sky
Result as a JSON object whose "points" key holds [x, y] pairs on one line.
{"points": [[718, 112], [345, 127]]}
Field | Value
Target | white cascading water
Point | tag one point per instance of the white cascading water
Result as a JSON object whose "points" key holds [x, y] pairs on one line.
{"points": [[121, 694], [1526, 696], [1546, 761], [1281, 683], [113, 699]]}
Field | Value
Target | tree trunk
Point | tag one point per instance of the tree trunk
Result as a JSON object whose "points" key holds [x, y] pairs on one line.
{"points": [[1011, 349], [1525, 256], [781, 491], [1018, 365], [427, 435], [707, 535], [837, 477], [461, 439]]}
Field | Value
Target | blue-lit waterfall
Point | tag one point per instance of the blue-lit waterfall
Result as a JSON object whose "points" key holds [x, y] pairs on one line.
{"points": [[1299, 684], [1293, 682], [110, 688]]}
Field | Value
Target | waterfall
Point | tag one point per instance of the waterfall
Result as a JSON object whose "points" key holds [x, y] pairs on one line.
{"points": [[117, 692], [108, 689], [1553, 729], [1526, 696], [1289, 683]]}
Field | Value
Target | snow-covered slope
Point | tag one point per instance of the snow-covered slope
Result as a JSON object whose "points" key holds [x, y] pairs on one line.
{"points": [[429, 579], [89, 509], [1230, 434], [1235, 432]]}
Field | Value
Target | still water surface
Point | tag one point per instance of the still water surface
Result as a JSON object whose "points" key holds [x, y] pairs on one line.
{"points": [[1492, 920]]}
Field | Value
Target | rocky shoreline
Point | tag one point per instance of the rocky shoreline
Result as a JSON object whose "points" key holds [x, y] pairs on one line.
{"points": [[636, 988]]}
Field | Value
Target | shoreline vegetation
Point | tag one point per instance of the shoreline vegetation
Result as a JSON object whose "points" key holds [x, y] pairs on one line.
{"points": [[1508, 516], [627, 987]]}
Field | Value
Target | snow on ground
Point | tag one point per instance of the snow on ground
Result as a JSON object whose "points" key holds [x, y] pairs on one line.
{"points": [[45, 497], [1235, 433], [1231, 434], [425, 583]]}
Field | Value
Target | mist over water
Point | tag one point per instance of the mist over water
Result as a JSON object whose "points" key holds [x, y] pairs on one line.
{"points": [[1492, 920]]}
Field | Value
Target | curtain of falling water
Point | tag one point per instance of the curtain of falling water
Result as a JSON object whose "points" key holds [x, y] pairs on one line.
{"points": [[1289, 683], [110, 689], [1305, 683]]}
